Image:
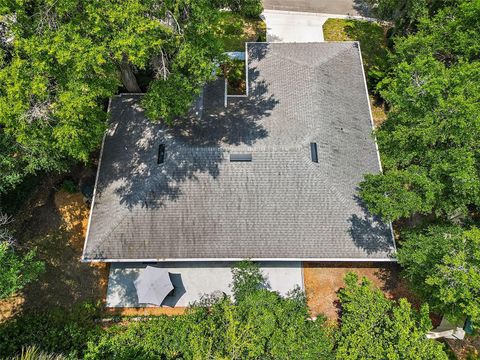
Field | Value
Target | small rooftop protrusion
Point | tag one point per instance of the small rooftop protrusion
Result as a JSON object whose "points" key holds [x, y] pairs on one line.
{"points": [[241, 157], [161, 154], [313, 152]]}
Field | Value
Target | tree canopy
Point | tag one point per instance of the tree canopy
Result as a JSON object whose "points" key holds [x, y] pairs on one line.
{"points": [[61, 60], [406, 14], [429, 143], [442, 263], [374, 327]]}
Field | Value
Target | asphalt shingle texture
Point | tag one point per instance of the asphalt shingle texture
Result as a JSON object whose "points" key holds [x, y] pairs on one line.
{"points": [[281, 205]]}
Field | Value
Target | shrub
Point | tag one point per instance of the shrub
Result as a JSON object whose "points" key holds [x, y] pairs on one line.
{"points": [[54, 331], [374, 327], [69, 186]]}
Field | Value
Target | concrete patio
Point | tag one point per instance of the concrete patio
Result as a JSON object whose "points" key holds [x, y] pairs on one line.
{"points": [[192, 280]]}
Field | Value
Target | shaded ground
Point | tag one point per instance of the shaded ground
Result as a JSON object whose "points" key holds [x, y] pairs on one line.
{"points": [[54, 222], [378, 111], [468, 349], [323, 280], [234, 31]]}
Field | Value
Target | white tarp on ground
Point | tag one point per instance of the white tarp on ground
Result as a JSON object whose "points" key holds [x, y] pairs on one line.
{"points": [[191, 280]]}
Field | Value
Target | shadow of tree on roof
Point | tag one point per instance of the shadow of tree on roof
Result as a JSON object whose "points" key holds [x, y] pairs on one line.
{"points": [[238, 123], [194, 146], [370, 233]]}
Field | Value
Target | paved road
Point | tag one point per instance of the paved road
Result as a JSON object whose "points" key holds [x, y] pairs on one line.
{"points": [[341, 7]]}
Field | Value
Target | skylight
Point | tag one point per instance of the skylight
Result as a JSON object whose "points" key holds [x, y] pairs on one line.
{"points": [[313, 152]]}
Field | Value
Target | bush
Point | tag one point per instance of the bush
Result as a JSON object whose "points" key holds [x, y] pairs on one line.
{"points": [[17, 270], [247, 278], [54, 331], [247, 8], [260, 325], [69, 186], [374, 327]]}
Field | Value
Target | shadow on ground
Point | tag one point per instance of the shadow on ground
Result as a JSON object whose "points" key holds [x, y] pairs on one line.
{"points": [[54, 222]]}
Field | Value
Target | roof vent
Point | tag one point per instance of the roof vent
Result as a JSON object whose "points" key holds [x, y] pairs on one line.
{"points": [[241, 157], [161, 154], [313, 152]]}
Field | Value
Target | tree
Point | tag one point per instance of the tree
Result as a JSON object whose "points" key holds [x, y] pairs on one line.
{"points": [[442, 263], [247, 279], [247, 8], [406, 14], [429, 142], [16, 270], [61, 60], [374, 327]]}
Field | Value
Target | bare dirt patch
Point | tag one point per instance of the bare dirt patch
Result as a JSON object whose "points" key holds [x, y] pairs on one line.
{"points": [[379, 113], [323, 280], [55, 222]]}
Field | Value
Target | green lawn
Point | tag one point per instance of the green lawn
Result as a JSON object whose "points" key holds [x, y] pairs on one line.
{"points": [[235, 30]]}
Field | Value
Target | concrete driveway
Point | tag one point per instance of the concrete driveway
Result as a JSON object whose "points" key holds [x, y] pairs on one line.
{"points": [[285, 26], [194, 279], [340, 7]]}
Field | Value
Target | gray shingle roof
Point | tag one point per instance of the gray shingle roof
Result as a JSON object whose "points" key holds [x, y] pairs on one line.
{"points": [[281, 205]]}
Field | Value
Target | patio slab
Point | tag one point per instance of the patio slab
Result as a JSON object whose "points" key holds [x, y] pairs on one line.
{"points": [[194, 279]]}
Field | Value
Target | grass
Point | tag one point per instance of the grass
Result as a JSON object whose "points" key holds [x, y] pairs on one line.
{"points": [[374, 49], [235, 31]]}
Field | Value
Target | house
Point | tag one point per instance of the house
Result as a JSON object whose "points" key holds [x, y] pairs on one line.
{"points": [[273, 176]]}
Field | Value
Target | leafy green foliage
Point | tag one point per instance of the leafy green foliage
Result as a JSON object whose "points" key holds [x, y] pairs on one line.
{"points": [[410, 188], [247, 8], [234, 31], [404, 13], [247, 279], [442, 262], [68, 57], [429, 141], [374, 327], [234, 72], [17, 270], [260, 325], [168, 99], [69, 186], [54, 331]]}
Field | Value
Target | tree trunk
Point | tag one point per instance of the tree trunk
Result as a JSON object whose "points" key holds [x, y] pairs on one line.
{"points": [[128, 77]]}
